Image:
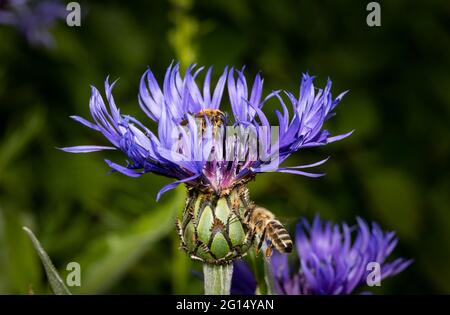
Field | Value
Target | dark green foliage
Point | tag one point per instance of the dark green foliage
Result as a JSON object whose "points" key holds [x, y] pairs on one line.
{"points": [[394, 169]]}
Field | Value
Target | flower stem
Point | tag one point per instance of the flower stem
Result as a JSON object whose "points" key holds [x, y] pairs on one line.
{"points": [[270, 281], [217, 279]]}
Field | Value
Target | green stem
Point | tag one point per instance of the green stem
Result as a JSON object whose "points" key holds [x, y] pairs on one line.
{"points": [[217, 279], [270, 281]]}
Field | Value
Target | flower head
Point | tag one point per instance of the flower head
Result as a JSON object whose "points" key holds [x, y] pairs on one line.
{"points": [[32, 18], [196, 142], [334, 259]]}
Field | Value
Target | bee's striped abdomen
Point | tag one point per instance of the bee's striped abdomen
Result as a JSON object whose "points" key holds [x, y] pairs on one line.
{"points": [[279, 237]]}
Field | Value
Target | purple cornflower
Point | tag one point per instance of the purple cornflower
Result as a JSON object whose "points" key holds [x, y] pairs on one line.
{"points": [[243, 282], [331, 261], [32, 18], [193, 144]]}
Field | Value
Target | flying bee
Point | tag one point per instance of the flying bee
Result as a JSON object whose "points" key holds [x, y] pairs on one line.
{"points": [[262, 224]]}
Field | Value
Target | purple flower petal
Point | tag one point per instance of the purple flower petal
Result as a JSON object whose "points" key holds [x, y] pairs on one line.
{"points": [[193, 134], [86, 148]]}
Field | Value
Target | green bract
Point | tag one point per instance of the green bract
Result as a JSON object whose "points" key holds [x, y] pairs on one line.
{"points": [[211, 228]]}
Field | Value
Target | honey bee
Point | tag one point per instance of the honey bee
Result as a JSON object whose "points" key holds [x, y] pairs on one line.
{"points": [[210, 113], [263, 225]]}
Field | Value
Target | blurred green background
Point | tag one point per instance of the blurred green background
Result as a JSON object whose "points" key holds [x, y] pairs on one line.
{"points": [[393, 169]]}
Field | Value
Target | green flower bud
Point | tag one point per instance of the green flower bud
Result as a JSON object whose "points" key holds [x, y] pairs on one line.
{"points": [[211, 228]]}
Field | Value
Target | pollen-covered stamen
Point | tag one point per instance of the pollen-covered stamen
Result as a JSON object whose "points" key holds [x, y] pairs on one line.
{"points": [[228, 153], [233, 150]]}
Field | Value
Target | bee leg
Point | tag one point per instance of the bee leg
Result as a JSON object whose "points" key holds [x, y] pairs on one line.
{"points": [[269, 250], [250, 237], [261, 241]]}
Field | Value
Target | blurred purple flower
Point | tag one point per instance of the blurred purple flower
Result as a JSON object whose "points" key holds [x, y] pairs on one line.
{"points": [[214, 161], [330, 262], [32, 18], [243, 282]]}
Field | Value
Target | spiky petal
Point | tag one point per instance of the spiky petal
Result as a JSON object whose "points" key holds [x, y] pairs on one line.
{"points": [[198, 144], [333, 259]]}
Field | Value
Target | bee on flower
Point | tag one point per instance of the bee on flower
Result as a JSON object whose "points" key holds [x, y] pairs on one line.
{"points": [[214, 153]]}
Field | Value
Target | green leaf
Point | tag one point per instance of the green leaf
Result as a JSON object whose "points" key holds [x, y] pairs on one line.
{"points": [[14, 144], [109, 257], [259, 270], [19, 265], [56, 283]]}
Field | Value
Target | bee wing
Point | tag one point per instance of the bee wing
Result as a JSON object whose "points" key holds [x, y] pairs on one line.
{"points": [[287, 221]]}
